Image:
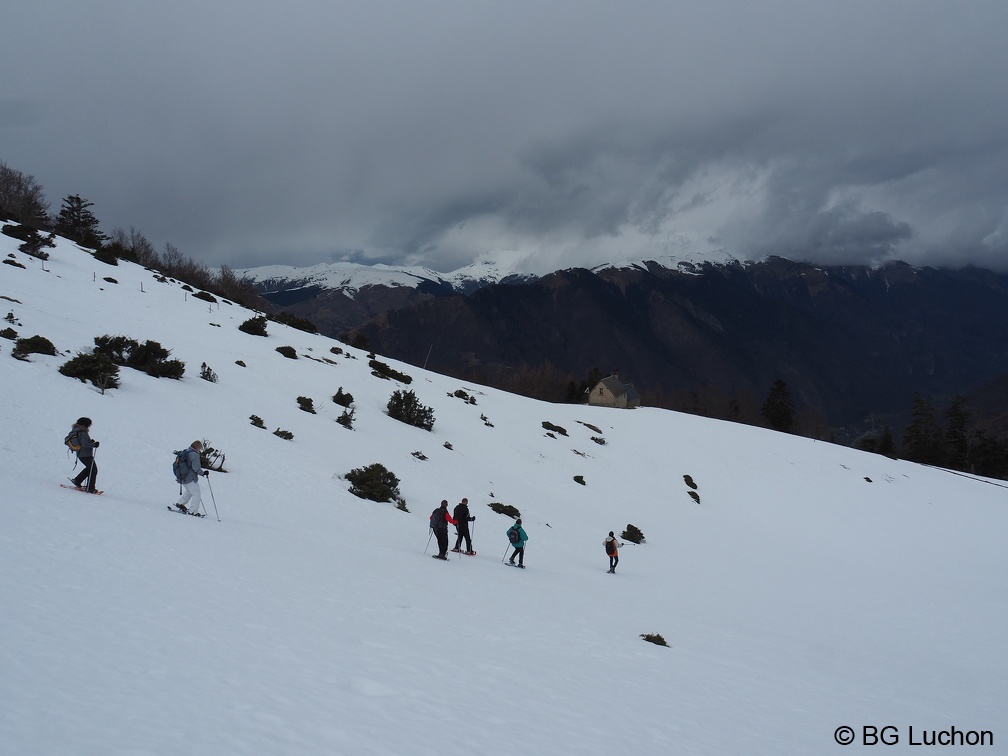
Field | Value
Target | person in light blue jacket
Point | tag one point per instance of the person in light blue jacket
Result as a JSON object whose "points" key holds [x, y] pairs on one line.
{"points": [[518, 543], [191, 498]]}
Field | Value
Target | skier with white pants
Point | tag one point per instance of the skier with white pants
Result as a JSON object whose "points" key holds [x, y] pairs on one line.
{"points": [[187, 474]]}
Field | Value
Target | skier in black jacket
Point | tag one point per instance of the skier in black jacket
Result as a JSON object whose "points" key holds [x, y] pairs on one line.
{"points": [[463, 518]]}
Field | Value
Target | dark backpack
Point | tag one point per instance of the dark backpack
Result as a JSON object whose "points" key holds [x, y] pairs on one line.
{"points": [[437, 519], [610, 546], [180, 467], [73, 441], [513, 535]]}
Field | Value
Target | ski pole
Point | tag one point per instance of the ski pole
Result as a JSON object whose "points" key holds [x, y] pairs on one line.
{"points": [[212, 498], [505, 551], [428, 540]]}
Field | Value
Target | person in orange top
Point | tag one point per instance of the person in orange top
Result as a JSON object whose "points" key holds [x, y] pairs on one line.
{"points": [[612, 549]]}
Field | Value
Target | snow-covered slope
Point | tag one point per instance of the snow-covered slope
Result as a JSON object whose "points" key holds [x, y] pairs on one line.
{"points": [[812, 587]]}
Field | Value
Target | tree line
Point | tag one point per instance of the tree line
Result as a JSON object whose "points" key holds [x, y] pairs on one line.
{"points": [[22, 200]]}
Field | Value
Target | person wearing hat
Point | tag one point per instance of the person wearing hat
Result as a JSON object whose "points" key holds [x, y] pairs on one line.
{"points": [[81, 434], [612, 549], [519, 543], [191, 498]]}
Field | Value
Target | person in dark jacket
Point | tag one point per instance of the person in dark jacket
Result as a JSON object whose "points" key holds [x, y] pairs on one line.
{"points": [[440, 519], [463, 518], [519, 545], [85, 454]]}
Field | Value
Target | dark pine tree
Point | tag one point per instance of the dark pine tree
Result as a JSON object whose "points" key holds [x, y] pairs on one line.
{"points": [[923, 439], [78, 223], [778, 409], [956, 434]]}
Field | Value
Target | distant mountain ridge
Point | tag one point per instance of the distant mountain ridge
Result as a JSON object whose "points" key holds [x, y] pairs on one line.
{"points": [[854, 343]]}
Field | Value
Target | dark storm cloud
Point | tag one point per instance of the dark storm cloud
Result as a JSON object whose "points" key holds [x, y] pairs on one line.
{"points": [[564, 133]]}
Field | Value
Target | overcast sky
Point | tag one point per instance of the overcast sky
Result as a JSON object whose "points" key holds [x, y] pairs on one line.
{"points": [[565, 133]]}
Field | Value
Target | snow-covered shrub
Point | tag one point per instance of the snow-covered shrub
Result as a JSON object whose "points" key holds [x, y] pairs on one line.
{"points": [[381, 370], [373, 482], [305, 404], [284, 434], [504, 509], [288, 352], [554, 428], [632, 534], [405, 407], [95, 367], [257, 421], [655, 638], [32, 345], [343, 399], [149, 357], [255, 326]]}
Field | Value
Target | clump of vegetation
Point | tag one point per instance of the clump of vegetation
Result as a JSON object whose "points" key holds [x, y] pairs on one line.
{"points": [[633, 534], [206, 297], [257, 421], [420, 455], [343, 399], [95, 367], [211, 459], [305, 404], [33, 240], [598, 440], [346, 419], [693, 486], [448, 446], [486, 421], [255, 326], [32, 345], [579, 479], [103, 255], [401, 504], [8, 261], [207, 374], [109, 279], [239, 363], [149, 357], [505, 509], [381, 370], [302, 324], [591, 427], [336, 350], [554, 428], [464, 396], [9, 333], [373, 482], [655, 638], [288, 352], [405, 407], [284, 434]]}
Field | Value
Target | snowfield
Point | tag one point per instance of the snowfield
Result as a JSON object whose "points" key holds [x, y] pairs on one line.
{"points": [[813, 586]]}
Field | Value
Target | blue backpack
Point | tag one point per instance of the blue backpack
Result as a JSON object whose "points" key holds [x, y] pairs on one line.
{"points": [[180, 467]]}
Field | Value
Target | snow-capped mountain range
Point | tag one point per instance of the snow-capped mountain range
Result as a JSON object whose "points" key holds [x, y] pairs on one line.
{"points": [[350, 277], [807, 592]]}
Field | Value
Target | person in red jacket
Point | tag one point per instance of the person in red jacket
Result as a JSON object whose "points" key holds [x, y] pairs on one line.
{"points": [[440, 519]]}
